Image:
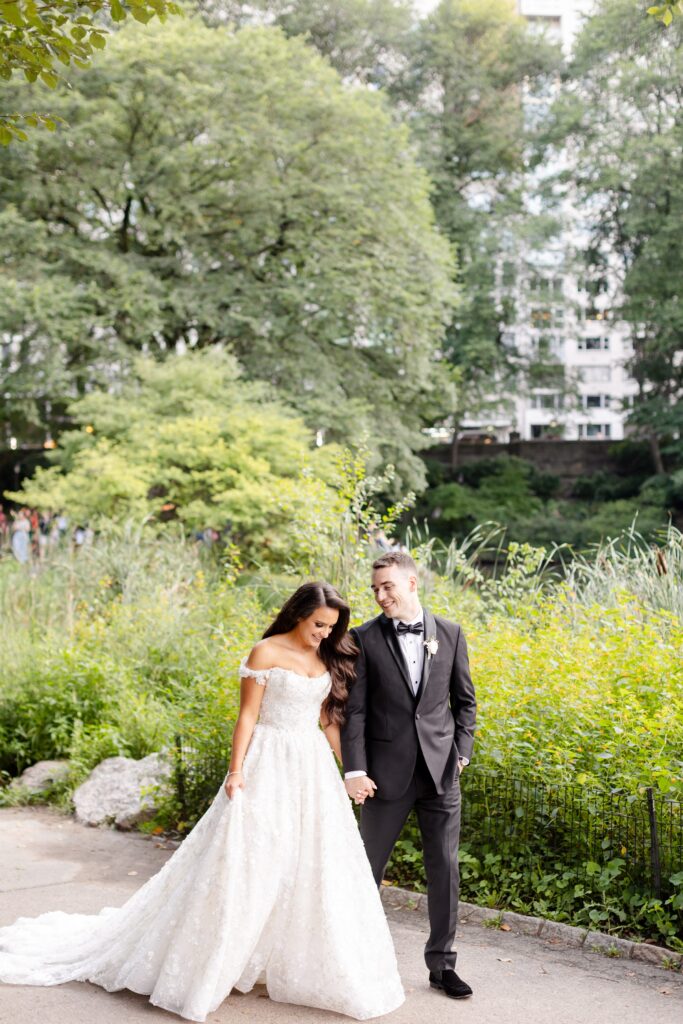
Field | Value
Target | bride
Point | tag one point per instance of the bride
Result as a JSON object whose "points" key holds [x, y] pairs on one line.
{"points": [[272, 884]]}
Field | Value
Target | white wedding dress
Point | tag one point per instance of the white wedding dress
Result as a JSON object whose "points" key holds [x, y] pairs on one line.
{"points": [[273, 886]]}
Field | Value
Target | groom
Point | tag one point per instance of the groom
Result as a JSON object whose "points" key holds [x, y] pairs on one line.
{"points": [[408, 733]]}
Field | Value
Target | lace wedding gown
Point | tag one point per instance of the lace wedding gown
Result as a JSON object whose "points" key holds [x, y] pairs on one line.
{"points": [[272, 886]]}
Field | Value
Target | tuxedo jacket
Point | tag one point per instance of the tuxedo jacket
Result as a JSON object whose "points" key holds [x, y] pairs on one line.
{"points": [[386, 723]]}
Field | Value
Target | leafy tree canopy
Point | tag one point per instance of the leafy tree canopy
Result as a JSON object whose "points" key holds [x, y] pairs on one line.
{"points": [[188, 439], [226, 188], [365, 40]]}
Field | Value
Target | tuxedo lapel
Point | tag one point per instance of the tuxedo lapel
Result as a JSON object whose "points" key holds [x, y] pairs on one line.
{"points": [[430, 631], [389, 633]]}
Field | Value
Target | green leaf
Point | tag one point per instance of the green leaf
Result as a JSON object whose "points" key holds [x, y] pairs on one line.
{"points": [[49, 78], [12, 14]]}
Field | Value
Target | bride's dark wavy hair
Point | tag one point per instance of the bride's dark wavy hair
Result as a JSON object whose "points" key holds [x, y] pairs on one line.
{"points": [[338, 652]]}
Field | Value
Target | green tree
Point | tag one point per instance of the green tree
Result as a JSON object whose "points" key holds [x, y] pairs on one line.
{"points": [[462, 94], [226, 188], [621, 111], [35, 36], [188, 439], [365, 40]]}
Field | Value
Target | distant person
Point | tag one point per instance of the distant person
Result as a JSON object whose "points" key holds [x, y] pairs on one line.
{"points": [[43, 536], [21, 536], [34, 521], [54, 534], [381, 540], [4, 527]]}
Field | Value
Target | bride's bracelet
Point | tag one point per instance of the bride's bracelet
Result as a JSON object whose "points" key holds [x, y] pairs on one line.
{"points": [[233, 773]]}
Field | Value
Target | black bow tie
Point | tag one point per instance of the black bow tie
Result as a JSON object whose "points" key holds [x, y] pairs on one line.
{"points": [[406, 627]]}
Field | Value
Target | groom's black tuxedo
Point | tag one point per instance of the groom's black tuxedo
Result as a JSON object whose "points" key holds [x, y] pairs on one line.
{"points": [[386, 724], [409, 745]]}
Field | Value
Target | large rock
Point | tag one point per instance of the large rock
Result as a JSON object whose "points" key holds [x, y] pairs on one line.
{"points": [[41, 775], [114, 791]]}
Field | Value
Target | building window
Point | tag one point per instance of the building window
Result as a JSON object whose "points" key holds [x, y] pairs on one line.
{"points": [[550, 430], [547, 345], [596, 401], [544, 24], [597, 286], [541, 317], [553, 401], [595, 374], [546, 286], [593, 344], [547, 316], [596, 431], [509, 274]]}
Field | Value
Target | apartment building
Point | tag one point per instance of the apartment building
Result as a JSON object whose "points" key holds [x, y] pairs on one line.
{"points": [[564, 308]]}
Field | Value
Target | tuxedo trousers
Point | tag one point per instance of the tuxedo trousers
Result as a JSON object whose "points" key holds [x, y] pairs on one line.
{"points": [[438, 817]]}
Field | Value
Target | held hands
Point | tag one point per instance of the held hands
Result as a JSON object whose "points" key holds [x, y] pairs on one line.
{"points": [[233, 782], [360, 788]]}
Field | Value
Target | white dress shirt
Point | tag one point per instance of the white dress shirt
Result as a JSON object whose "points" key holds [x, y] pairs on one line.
{"points": [[413, 649]]}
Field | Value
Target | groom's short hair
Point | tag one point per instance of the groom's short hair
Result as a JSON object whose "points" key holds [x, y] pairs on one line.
{"points": [[400, 558]]}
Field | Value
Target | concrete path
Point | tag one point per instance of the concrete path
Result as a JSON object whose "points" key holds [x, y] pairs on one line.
{"points": [[48, 862]]}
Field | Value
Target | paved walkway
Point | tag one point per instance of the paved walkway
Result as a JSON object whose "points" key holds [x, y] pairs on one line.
{"points": [[48, 862]]}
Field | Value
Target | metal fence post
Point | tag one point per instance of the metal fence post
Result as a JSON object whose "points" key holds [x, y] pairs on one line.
{"points": [[180, 775], [654, 844]]}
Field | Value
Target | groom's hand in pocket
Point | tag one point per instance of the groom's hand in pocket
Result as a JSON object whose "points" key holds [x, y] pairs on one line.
{"points": [[360, 788]]}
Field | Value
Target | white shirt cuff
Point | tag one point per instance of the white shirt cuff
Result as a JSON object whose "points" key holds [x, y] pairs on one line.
{"points": [[464, 761], [354, 775]]}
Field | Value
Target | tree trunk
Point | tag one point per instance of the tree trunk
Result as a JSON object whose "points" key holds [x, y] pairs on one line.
{"points": [[656, 453], [455, 449]]}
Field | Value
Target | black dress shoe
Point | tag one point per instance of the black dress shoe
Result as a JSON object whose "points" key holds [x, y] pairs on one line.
{"points": [[450, 984]]}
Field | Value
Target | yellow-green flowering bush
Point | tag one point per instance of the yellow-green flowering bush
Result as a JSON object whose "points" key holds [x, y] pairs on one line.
{"points": [[592, 695]]}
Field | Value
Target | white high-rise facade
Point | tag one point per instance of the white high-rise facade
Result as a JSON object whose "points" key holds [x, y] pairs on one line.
{"points": [[564, 309]]}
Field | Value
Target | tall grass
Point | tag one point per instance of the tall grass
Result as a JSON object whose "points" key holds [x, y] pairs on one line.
{"points": [[651, 574]]}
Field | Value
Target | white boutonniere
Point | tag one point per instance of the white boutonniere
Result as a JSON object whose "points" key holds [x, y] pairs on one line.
{"points": [[431, 645]]}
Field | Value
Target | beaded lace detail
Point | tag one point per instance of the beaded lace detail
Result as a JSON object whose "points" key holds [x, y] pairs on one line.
{"points": [[291, 701]]}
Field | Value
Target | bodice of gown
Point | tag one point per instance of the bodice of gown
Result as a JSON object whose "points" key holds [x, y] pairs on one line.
{"points": [[291, 701]]}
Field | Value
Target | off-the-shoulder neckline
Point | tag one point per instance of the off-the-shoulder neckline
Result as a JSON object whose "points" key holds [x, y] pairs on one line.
{"points": [[282, 669]]}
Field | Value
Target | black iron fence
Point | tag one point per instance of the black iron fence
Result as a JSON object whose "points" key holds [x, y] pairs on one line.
{"points": [[565, 823], [518, 815]]}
